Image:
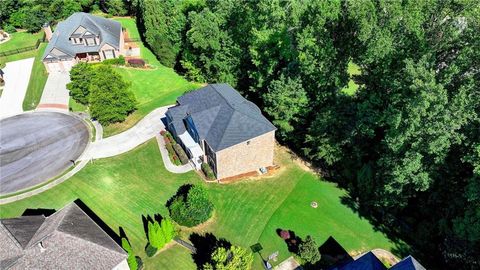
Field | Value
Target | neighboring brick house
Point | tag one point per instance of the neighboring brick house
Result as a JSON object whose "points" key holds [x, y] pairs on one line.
{"points": [[68, 239], [215, 124], [82, 37]]}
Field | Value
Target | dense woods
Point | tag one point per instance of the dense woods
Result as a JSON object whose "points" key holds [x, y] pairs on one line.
{"points": [[406, 145]]}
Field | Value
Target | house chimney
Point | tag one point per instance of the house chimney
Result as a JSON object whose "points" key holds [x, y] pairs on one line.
{"points": [[47, 30]]}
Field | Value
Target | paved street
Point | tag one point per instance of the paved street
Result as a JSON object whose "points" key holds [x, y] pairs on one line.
{"points": [[17, 75], [35, 147], [118, 144], [55, 94]]}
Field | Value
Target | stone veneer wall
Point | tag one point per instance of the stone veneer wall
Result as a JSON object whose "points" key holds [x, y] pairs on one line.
{"points": [[243, 157]]}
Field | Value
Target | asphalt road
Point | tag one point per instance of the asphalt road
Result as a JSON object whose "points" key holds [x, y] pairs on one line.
{"points": [[35, 147]]}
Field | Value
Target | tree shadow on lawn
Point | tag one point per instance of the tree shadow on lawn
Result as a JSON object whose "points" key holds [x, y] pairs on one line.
{"points": [[181, 192], [292, 240], [205, 245]]}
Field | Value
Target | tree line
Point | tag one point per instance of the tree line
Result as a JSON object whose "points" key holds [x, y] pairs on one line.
{"points": [[406, 144]]}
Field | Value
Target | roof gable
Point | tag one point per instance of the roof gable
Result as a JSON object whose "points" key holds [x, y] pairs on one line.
{"points": [[23, 229], [408, 263]]}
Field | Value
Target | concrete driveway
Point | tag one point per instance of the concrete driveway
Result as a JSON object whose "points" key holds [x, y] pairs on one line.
{"points": [[118, 144], [17, 75], [55, 94]]}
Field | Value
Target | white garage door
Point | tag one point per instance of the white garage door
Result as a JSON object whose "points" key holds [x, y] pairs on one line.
{"points": [[54, 67]]}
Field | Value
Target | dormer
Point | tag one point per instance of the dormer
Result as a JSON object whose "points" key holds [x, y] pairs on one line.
{"points": [[81, 36]]}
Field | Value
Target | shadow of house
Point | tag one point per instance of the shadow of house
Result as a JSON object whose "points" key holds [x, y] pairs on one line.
{"points": [[333, 254], [205, 245], [38, 211]]}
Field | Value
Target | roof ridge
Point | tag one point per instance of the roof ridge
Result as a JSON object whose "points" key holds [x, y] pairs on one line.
{"points": [[45, 223]]}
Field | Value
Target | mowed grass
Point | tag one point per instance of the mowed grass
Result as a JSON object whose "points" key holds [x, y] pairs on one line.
{"points": [[153, 88], [20, 40], [37, 82], [352, 87], [122, 189], [119, 190]]}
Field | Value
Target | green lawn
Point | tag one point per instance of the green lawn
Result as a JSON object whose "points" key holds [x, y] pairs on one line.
{"points": [[352, 87], [130, 25], [15, 57], [37, 82], [153, 88], [20, 40], [122, 189]]}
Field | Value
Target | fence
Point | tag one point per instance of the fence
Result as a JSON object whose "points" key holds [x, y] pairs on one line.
{"points": [[132, 39], [24, 49]]}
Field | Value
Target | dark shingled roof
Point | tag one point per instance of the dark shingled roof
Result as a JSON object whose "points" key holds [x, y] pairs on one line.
{"points": [[70, 238], [409, 263], [221, 116], [108, 30], [367, 261]]}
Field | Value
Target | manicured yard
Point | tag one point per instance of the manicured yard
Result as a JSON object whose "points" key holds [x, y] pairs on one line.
{"points": [[15, 57], [20, 40], [122, 189], [353, 69], [153, 88], [37, 82]]}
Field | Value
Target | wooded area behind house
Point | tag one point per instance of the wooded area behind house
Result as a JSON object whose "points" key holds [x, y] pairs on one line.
{"points": [[406, 144]]}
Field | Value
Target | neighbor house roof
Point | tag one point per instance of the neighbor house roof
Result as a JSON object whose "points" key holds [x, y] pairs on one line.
{"points": [[408, 263], [60, 47], [221, 116], [65, 240], [367, 261]]}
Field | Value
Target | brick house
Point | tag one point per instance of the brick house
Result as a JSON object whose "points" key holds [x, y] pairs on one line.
{"points": [[82, 37], [215, 124]]}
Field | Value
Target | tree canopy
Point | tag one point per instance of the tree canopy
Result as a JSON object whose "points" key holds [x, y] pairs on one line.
{"points": [[406, 144]]}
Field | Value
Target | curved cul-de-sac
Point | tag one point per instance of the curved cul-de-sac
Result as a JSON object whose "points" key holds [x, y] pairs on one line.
{"points": [[35, 147]]}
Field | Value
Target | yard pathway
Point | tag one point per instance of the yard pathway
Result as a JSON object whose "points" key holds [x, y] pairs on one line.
{"points": [[17, 75], [55, 94], [166, 159], [118, 144]]}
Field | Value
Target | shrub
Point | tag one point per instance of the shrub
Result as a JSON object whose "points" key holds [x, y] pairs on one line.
{"points": [[119, 61], [135, 62], [131, 260], [192, 208], [308, 251], [150, 250], [9, 28], [181, 153], [159, 234], [208, 171]]}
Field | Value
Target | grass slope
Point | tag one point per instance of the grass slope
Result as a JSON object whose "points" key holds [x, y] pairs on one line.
{"points": [[122, 189], [153, 88], [20, 40], [37, 82]]}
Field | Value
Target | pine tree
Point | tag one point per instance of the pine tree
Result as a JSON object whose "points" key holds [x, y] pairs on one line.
{"points": [[131, 260]]}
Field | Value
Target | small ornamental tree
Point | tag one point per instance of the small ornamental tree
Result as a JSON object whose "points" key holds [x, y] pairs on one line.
{"points": [[159, 234], [192, 208], [131, 260], [230, 259], [80, 80], [308, 251]]}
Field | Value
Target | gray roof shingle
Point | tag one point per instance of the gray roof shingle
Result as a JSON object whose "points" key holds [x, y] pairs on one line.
{"points": [[408, 263], [108, 30], [221, 116], [70, 239]]}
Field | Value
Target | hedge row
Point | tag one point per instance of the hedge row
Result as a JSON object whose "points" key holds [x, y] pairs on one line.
{"points": [[181, 153], [208, 171]]}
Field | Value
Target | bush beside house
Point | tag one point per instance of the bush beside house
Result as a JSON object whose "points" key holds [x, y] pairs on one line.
{"points": [[208, 171], [180, 153]]}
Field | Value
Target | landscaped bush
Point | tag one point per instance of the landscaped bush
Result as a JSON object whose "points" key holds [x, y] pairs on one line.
{"points": [[119, 61], [208, 171], [159, 234], [150, 250], [181, 153], [135, 62], [190, 206]]}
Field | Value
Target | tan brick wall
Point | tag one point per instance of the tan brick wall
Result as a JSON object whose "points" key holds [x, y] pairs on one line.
{"points": [[243, 157]]}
